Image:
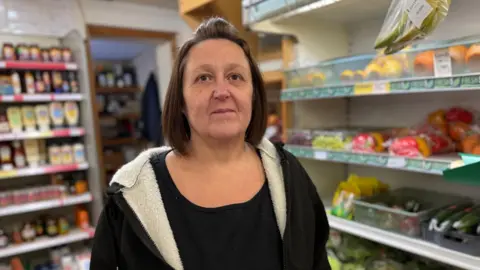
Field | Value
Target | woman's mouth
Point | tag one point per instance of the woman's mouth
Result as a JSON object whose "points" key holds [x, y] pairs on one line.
{"points": [[220, 111]]}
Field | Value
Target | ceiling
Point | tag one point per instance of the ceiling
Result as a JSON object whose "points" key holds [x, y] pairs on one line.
{"points": [[170, 4], [109, 49]]}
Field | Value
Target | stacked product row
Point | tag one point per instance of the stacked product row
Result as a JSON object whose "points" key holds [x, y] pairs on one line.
{"points": [[35, 152], [40, 117], [450, 221], [110, 76], [76, 185], [44, 226], [33, 52], [38, 82], [443, 131], [462, 56]]}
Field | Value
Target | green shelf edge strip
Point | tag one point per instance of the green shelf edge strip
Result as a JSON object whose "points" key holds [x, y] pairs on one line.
{"points": [[424, 85], [427, 166]]}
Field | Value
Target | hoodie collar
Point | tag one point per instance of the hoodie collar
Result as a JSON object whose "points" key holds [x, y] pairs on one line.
{"points": [[141, 192]]}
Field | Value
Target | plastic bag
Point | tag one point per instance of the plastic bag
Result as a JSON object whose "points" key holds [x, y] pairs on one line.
{"points": [[410, 20]]}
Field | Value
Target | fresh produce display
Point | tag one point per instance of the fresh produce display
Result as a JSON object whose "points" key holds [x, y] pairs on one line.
{"points": [[347, 252], [333, 139], [457, 227], [442, 131], [353, 188], [407, 22], [414, 61], [402, 210]]}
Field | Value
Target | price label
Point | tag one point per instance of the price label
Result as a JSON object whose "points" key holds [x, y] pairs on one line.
{"points": [[396, 162], [443, 63], [363, 88], [381, 87], [71, 66], [320, 155], [417, 11]]}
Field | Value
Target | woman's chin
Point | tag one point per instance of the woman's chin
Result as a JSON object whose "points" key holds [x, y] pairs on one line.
{"points": [[226, 133]]}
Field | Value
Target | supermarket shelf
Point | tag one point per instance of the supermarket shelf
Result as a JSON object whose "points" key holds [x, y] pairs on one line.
{"points": [[41, 97], [432, 165], [342, 11], [117, 90], [45, 242], [411, 245], [56, 133], [37, 65], [50, 169], [44, 205], [465, 82]]}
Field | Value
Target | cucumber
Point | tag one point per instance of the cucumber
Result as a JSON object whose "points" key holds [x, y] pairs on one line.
{"points": [[467, 221], [446, 224], [445, 213]]}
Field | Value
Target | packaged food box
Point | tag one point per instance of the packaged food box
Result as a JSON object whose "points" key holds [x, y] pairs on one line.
{"points": [[299, 137]]}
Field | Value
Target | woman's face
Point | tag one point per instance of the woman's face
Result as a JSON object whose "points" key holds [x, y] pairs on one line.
{"points": [[217, 88]]}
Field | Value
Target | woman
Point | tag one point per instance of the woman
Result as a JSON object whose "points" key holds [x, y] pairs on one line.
{"points": [[222, 197]]}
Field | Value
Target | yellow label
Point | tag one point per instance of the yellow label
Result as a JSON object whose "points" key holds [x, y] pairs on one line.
{"points": [[363, 88], [371, 88], [7, 174]]}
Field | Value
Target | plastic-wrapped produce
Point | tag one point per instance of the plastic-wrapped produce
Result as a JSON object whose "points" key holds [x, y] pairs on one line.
{"points": [[410, 20]]}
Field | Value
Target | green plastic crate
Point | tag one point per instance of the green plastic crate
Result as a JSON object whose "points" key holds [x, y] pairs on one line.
{"points": [[466, 174]]}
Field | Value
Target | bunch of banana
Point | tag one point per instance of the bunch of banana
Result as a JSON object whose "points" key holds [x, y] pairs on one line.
{"points": [[397, 35]]}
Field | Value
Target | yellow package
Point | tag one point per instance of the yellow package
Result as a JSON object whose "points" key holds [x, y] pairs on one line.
{"points": [[342, 205]]}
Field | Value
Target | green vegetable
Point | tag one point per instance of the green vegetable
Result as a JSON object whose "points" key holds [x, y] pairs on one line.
{"points": [[445, 213], [469, 220], [446, 224]]}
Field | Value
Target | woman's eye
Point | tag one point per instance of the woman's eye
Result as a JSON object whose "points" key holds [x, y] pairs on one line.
{"points": [[203, 78], [236, 77]]}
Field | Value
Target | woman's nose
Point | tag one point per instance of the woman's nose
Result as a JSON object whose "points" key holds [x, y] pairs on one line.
{"points": [[221, 91]]}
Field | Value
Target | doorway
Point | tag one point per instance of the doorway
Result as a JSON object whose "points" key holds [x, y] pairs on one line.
{"points": [[121, 63]]}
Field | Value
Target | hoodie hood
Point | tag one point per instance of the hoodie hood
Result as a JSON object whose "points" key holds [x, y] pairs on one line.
{"points": [[141, 192]]}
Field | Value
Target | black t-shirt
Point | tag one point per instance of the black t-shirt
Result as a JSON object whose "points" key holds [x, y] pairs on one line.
{"points": [[241, 236]]}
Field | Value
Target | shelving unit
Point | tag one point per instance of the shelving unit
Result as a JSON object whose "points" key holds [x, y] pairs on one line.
{"points": [[44, 205], [434, 165], [27, 191], [42, 170], [46, 242], [326, 30], [124, 90], [40, 97]]}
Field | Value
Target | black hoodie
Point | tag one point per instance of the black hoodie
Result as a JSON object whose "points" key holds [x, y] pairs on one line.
{"points": [[134, 232]]}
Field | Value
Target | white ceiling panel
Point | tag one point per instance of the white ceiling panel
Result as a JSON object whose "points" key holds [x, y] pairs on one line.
{"points": [[170, 4]]}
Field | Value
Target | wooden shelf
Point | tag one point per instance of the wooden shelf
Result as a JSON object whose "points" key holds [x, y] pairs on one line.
{"points": [[118, 141], [117, 90], [126, 116]]}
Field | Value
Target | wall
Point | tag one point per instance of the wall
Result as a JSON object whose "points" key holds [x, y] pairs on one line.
{"points": [[131, 15], [145, 63]]}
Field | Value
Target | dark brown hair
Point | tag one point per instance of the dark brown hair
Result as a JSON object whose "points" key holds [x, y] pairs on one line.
{"points": [[176, 129]]}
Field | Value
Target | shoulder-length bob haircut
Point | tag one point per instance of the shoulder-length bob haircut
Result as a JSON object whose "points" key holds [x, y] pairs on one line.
{"points": [[176, 129]]}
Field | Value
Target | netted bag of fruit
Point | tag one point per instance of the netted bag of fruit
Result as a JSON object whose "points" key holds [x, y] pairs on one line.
{"points": [[462, 125], [422, 144], [408, 21]]}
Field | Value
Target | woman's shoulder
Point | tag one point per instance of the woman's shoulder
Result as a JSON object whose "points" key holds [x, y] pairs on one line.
{"points": [[137, 169]]}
